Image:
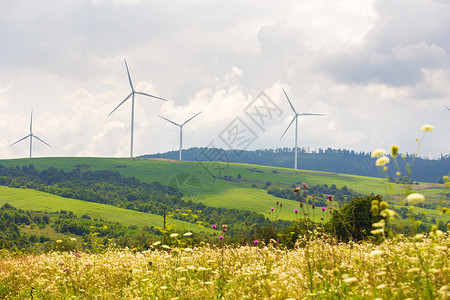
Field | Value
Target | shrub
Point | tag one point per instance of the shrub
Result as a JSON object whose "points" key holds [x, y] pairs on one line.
{"points": [[353, 221]]}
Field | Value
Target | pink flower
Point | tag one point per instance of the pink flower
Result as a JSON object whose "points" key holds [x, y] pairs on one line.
{"points": [[329, 197], [323, 208], [213, 226], [271, 209], [221, 237], [224, 230], [255, 242], [296, 210], [76, 254]]}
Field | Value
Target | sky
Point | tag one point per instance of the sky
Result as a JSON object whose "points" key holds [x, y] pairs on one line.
{"points": [[378, 70]]}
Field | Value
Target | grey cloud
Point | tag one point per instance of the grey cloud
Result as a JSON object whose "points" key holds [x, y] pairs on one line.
{"points": [[408, 37]]}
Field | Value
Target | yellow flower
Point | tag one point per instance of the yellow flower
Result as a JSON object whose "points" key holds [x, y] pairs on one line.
{"points": [[377, 153], [350, 280], [394, 150], [380, 224], [419, 236], [427, 128], [389, 213], [415, 198], [376, 253], [382, 161], [383, 205], [436, 233], [377, 231]]}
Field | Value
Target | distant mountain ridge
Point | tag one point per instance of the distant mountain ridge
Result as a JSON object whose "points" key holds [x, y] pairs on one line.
{"points": [[328, 160]]}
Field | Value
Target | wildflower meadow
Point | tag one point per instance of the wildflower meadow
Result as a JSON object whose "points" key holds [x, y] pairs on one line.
{"points": [[337, 257]]}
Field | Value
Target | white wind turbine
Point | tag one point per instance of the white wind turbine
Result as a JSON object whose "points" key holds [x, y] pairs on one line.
{"points": [[447, 107], [132, 105], [296, 124], [181, 129], [31, 136]]}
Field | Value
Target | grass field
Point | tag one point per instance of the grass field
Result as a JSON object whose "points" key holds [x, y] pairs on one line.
{"points": [[397, 268], [26, 199]]}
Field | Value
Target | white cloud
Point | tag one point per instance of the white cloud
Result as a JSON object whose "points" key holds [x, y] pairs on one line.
{"points": [[378, 69]]}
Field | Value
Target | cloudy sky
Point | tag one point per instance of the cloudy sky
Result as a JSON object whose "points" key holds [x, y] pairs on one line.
{"points": [[379, 70]]}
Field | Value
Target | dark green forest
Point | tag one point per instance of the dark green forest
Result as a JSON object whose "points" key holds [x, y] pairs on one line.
{"points": [[328, 160]]}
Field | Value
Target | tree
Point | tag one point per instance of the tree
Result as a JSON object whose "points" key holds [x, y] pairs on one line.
{"points": [[353, 221]]}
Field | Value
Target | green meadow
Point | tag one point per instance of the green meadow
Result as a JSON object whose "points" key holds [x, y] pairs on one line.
{"points": [[27, 199], [246, 193]]}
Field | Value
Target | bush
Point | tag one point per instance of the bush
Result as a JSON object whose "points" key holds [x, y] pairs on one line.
{"points": [[353, 221]]}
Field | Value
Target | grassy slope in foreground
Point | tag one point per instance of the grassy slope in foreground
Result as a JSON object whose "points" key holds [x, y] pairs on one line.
{"points": [[27, 199], [220, 193]]}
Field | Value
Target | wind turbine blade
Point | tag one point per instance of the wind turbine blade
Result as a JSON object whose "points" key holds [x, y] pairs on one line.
{"points": [[447, 107], [145, 94], [41, 140], [20, 140], [191, 118], [121, 103], [129, 77], [289, 101], [310, 114], [170, 121], [293, 119], [31, 122]]}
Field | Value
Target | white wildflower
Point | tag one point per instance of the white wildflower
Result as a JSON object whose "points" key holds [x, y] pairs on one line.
{"points": [[377, 153], [382, 161], [427, 128], [415, 198], [376, 253]]}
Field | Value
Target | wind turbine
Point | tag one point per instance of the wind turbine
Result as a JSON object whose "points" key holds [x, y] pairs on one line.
{"points": [[133, 91], [447, 107], [31, 136], [181, 129], [296, 124]]}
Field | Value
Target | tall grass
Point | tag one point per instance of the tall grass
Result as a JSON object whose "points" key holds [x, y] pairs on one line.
{"points": [[395, 269]]}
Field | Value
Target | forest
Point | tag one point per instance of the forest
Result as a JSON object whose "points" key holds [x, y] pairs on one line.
{"points": [[327, 160]]}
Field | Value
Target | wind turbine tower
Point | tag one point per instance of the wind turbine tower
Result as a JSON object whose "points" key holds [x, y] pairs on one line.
{"points": [[295, 118], [31, 136], [181, 130], [133, 91]]}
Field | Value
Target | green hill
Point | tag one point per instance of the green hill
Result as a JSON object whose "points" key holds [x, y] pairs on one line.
{"points": [[217, 184], [27, 199]]}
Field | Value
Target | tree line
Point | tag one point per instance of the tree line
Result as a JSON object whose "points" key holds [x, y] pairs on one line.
{"points": [[327, 160]]}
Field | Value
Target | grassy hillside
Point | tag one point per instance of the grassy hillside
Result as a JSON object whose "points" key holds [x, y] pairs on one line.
{"points": [[246, 193], [26, 199]]}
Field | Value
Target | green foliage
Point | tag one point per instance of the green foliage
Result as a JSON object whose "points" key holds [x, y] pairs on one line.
{"points": [[353, 221], [318, 192]]}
